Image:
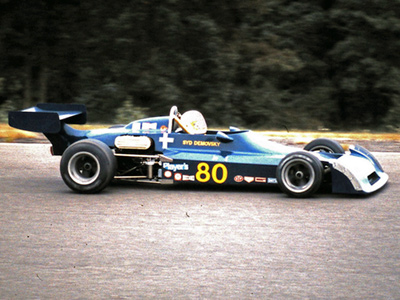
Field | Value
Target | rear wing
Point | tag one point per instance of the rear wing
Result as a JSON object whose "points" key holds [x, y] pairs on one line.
{"points": [[47, 117]]}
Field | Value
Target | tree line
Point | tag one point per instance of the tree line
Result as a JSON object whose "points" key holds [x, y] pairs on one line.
{"points": [[256, 63]]}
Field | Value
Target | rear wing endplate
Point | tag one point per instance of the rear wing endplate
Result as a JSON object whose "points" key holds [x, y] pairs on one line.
{"points": [[47, 117]]}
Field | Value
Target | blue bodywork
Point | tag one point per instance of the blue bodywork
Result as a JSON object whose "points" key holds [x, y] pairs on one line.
{"points": [[216, 157]]}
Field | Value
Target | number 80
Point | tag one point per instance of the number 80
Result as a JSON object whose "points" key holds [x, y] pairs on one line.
{"points": [[203, 173]]}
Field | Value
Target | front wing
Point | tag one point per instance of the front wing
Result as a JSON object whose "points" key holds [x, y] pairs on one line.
{"points": [[357, 173]]}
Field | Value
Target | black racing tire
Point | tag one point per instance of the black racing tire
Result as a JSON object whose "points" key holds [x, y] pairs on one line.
{"points": [[324, 145], [88, 166], [300, 174]]}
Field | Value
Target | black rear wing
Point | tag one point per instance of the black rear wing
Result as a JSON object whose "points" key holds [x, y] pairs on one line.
{"points": [[47, 117]]}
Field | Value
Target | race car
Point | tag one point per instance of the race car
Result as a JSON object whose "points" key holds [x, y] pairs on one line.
{"points": [[179, 148]]}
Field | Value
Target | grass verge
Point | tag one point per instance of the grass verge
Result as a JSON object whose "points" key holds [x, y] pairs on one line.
{"points": [[9, 134], [304, 137]]}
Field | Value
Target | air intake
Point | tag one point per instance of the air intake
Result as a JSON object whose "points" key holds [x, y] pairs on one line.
{"points": [[132, 142]]}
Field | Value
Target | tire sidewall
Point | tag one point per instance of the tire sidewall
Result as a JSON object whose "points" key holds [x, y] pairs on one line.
{"points": [[332, 145], [106, 163], [309, 160]]}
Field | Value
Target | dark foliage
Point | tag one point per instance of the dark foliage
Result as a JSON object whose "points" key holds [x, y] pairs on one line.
{"points": [[271, 64]]}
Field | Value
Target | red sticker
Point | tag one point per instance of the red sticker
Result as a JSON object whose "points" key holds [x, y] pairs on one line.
{"points": [[261, 179], [238, 178], [178, 176]]}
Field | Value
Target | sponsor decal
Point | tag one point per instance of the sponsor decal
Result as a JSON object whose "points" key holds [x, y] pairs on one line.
{"points": [[272, 180], [178, 177], [163, 128], [188, 177], [201, 143], [260, 179], [248, 179], [176, 167], [238, 178], [167, 174], [136, 126], [149, 126]]}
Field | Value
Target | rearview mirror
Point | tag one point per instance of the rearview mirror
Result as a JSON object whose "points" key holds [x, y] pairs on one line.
{"points": [[223, 137]]}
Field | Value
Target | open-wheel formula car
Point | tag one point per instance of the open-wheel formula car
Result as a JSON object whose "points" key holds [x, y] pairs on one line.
{"points": [[179, 148]]}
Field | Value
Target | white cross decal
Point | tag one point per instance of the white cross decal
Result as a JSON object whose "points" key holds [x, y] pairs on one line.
{"points": [[165, 140]]}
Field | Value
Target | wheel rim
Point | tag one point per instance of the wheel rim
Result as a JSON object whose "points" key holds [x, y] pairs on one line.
{"points": [[298, 175], [84, 168], [322, 149]]}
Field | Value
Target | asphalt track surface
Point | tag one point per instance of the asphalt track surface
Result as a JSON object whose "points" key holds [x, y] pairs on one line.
{"points": [[164, 242]]}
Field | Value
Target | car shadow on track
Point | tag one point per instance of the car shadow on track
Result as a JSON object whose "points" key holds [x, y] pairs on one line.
{"points": [[191, 187], [323, 194]]}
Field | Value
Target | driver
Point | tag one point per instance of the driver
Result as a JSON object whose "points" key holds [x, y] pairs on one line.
{"points": [[191, 122]]}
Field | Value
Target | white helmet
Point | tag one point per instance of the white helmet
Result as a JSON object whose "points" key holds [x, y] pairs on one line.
{"points": [[193, 122]]}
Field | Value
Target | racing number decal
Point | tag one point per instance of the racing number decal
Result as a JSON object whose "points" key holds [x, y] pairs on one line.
{"points": [[224, 173], [203, 173]]}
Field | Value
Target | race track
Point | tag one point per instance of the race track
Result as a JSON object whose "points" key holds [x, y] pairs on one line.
{"points": [[153, 241]]}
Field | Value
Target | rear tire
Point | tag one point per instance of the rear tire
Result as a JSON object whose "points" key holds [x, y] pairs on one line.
{"points": [[299, 174], [324, 145], [88, 166]]}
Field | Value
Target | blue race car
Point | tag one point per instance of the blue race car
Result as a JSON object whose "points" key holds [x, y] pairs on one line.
{"points": [[180, 149]]}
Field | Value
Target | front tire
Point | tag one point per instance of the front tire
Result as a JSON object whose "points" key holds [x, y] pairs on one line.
{"points": [[300, 174], [88, 166]]}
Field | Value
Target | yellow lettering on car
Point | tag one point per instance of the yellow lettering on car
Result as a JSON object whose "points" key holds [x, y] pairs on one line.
{"points": [[201, 143], [203, 173], [224, 173]]}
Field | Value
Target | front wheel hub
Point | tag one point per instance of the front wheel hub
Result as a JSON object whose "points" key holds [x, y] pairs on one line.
{"points": [[87, 166], [298, 175]]}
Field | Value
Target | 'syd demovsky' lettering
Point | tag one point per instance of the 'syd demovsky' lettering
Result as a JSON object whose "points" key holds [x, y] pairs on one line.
{"points": [[201, 143]]}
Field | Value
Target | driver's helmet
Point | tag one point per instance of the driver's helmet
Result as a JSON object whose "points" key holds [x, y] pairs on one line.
{"points": [[193, 122]]}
